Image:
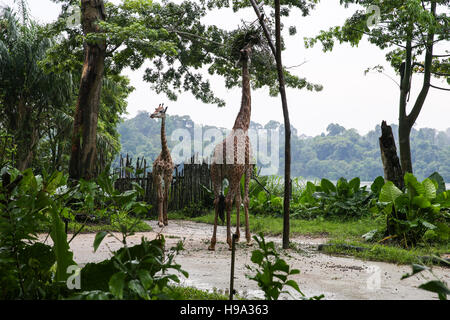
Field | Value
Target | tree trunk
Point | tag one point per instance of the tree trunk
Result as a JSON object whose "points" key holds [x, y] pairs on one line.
{"points": [[287, 128], [84, 136], [276, 50], [406, 122], [391, 163], [27, 136]]}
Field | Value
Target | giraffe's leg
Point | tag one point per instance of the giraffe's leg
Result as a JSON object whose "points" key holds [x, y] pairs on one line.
{"points": [[160, 199], [248, 171], [167, 181], [228, 206], [238, 201], [232, 194], [217, 189]]}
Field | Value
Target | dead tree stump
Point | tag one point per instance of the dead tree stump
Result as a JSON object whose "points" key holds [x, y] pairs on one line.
{"points": [[391, 163]]}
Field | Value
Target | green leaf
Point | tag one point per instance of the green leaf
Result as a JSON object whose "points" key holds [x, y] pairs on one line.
{"points": [[327, 186], [377, 184], [136, 287], [257, 257], [354, 184], [413, 185], [99, 238], [389, 192], [294, 285], [145, 278], [55, 181], [416, 268], [64, 257], [421, 201], [117, 284], [438, 287], [428, 225], [440, 182], [429, 188]]}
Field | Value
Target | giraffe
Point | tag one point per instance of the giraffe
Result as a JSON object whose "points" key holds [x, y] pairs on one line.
{"points": [[231, 159], [162, 169]]}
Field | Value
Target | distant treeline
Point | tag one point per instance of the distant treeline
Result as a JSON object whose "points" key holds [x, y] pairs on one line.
{"points": [[338, 152]]}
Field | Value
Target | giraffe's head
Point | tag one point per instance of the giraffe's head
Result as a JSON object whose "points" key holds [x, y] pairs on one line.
{"points": [[160, 112]]}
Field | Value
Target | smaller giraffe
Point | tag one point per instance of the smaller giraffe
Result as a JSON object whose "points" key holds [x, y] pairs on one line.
{"points": [[162, 169]]}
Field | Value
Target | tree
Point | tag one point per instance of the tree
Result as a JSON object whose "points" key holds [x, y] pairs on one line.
{"points": [[410, 29], [28, 94], [172, 37]]}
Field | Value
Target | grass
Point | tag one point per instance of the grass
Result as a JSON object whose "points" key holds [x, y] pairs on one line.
{"points": [[386, 253], [314, 228], [340, 234], [191, 293]]}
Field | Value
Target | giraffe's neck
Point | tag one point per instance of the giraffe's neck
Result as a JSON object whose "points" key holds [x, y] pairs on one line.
{"points": [[165, 149], [243, 117]]}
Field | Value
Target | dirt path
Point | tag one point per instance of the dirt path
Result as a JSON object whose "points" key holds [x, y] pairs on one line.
{"points": [[335, 277]]}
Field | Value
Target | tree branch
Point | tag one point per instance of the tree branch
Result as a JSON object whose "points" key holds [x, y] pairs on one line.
{"points": [[445, 89]]}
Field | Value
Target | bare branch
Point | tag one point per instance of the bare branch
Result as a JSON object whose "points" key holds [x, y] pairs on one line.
{"points": [[445, 89]]}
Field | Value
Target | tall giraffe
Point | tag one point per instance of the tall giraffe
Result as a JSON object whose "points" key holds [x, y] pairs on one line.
{"points": [[231, 160], [162, 169]]}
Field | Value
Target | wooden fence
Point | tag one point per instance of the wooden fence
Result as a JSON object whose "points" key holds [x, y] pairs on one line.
{"points": [[188, 183]]}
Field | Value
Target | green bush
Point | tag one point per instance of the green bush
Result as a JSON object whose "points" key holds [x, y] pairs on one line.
{"points": [[421, 212]]}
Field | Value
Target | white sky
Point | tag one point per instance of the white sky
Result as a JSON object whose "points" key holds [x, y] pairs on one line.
{"points": [[348, 98]]}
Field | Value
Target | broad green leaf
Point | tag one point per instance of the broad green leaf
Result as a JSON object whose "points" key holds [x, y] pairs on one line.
{"points": [[117, 284], [429, 188], [136, 287], [377, 184], [440, 182], [145, 278], [436, 286], [416, 268], [354, 184], [428, 225], [257, 256], [421, 201], [99, 238], [389, 192], [327, 186], [64, 257], [413, 185], [294, 285], [55, 181]]}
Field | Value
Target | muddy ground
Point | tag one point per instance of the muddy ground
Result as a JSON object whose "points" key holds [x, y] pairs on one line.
{"points": [[334, 276]]}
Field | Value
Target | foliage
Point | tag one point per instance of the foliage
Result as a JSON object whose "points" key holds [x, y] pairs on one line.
{"points": [[28, 94], [437, 286], [419, 212], [176, 42], [194, 209], [332, 155], [31, 270], [27, 267], [7, 149], [138, 272], [345, 199], [399, 22], [272, 272]]}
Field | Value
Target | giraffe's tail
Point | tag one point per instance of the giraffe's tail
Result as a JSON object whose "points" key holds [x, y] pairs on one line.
{"points": [[221, 209]]}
